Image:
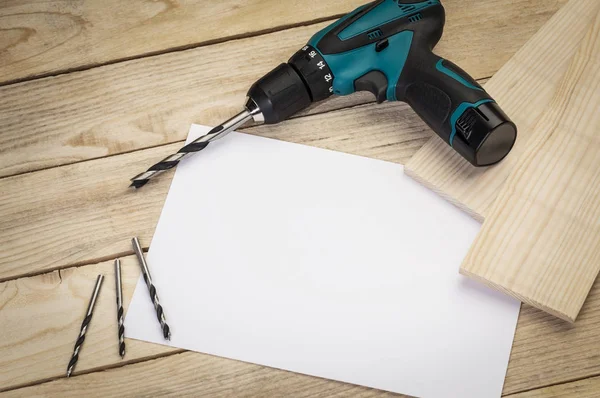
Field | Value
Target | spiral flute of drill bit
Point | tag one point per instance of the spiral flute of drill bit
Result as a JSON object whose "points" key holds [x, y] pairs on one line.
{"points": [[120, 325], [84, 326], [195, 146], [160, 314]]}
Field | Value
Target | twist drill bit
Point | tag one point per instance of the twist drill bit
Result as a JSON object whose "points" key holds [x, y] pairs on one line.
{"points": [[153, 296], [250, 112], [119, 290], [84, 326]]}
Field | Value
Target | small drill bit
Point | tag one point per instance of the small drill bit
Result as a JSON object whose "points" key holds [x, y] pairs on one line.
{"points": [[153, 296], [121, 327], [84, 326], [195, 146]]}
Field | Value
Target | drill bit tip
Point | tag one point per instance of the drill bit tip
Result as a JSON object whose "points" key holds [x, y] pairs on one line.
{"points": [[197, 145], [160, 315], [138, 183], [120, 321]]}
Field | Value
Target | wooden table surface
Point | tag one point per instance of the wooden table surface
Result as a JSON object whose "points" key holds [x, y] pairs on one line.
{"points": [[93, 91]]}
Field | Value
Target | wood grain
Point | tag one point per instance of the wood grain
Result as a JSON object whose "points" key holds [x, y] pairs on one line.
{"points": [[82, 213], [152, 101], [212, 378], [85, 212], [548, 351], [42, 312], [42, 37], [41, 316], [541, 240], [524, 88], [191, 374], [586, 388]]}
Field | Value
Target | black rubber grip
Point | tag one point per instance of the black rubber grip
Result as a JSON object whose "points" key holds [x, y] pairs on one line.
{"points": [[456, 107]]}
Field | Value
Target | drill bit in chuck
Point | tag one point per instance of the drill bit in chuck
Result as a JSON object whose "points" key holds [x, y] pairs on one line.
{"points": [[84, 326], [120, 325], [251, 111], [153, 296]]}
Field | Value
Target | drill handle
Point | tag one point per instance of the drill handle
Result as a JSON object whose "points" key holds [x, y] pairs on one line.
{"points": [[435, 88], [453, 104]]}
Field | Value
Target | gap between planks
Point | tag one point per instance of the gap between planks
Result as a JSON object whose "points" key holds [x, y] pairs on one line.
{"points": [[101, 213], [175, 49], [518, 394], [43, 37], [556, 389], [153, 100], [74, 265], [562, 352], [115, 365], [361, 99], [306, 113]]}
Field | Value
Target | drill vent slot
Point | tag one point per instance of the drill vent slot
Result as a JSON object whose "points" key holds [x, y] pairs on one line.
{"points": [[466, 122], [415, 18], [406, 7], [376, 34]]}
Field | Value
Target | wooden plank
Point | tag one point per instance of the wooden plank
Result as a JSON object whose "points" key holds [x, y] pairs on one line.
{"points": [[210, 377], [41, 37], [42, 317], [541, 240], [85, 212], [41, 314], [548, 351], [191, 374], [586, 388], [152, 101], [524, 88]]}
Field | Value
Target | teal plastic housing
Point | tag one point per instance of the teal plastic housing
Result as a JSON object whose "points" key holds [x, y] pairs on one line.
{"points": [[351, 65], [385, 12], [348, 67]]}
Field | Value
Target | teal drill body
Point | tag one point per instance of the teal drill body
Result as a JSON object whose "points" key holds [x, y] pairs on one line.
{"points": [[349, 65], [386, 47]]}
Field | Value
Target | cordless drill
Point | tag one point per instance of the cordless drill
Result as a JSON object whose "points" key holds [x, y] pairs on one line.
{"points": [[384, 47]]}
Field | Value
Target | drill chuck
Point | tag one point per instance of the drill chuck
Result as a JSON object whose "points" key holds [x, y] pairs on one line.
{"points": [[293, 86], [279, 94]]}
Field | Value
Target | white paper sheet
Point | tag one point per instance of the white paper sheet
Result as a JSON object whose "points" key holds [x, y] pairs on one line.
{"points": [[326, 264]]}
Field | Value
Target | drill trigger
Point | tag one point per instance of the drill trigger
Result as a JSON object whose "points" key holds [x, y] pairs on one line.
{"points": [[374, 82]]}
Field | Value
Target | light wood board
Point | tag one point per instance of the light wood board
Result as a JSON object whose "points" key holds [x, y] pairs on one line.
{"points": [[43, 37], [524, 88], [541, 240], [152, 101]]}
